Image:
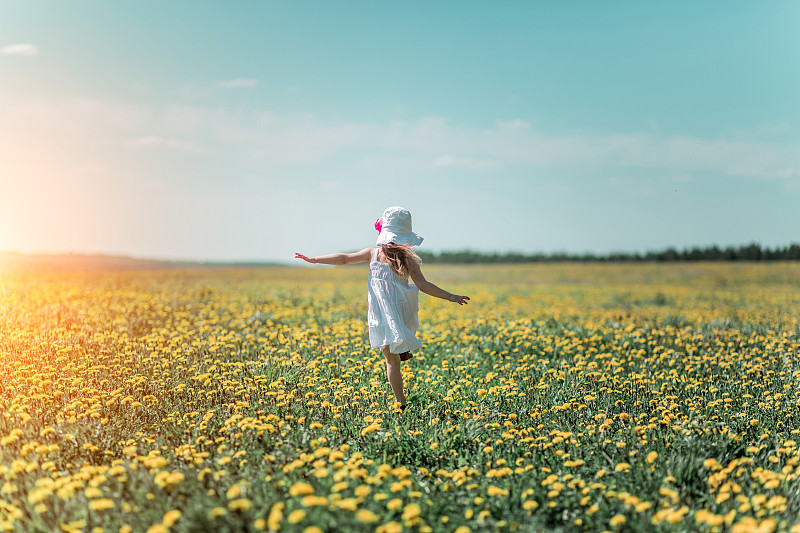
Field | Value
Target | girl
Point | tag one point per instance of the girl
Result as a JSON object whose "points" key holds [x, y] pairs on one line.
{"points": [[393, 302]]}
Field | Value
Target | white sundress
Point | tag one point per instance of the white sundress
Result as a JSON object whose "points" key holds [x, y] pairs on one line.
{"points": [[393, 307]]}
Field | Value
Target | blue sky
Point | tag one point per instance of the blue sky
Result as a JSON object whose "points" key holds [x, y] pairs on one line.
{"points": [[250, 130]]}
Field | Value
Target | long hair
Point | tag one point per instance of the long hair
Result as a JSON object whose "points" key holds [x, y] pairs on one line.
{"points": [[399, 256]]}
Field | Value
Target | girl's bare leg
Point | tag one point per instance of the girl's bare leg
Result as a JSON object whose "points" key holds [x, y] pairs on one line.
{"points": [[394, 375]]}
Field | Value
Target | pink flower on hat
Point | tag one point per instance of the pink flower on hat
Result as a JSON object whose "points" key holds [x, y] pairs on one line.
{"points": [[395, 226]]}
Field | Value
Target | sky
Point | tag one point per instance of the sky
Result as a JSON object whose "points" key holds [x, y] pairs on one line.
{"points": [[248, 130]]}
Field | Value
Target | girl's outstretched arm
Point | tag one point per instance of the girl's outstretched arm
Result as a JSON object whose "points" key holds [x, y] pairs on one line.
{"points": [[429, 288], [337, 259]]}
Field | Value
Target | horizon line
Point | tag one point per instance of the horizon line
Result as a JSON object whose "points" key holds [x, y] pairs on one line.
{"points": [[540, 253]]}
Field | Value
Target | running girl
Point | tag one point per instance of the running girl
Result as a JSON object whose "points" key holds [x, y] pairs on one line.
{"points": [[393, 301]]}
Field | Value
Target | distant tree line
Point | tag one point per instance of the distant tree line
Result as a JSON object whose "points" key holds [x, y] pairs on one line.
{"points": [[749, 252]]}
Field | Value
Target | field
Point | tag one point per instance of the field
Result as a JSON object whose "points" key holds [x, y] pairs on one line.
{"points": [[565, 397]]}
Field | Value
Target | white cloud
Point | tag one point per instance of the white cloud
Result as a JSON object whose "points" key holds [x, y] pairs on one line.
{"points": [[74, 116], [677, 154], [171, 143], [22, 49], [513, 125], [304, 138], [465, 162], [237, 83], [266, 138], [331, 185]]}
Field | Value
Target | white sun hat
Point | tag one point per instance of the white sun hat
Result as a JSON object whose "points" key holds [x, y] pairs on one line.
{"points": [[395, 226]]}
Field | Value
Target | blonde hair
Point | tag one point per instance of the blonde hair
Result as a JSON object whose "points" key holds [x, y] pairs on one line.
{"points": [[399, 256]]}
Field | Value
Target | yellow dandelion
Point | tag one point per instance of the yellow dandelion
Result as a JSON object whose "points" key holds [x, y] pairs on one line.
{"points": [[242, 504], [642, 506], [92, 492], [234, 492], [496, 491], [369, 429], [366, 516], [389, 527], [349, 504], [301, 489], [73, 526], [170, 517], [311, 501], [394, 504], [275, 515], [295, 516], [411, 511], [101, 504], [175, 477], [616, 520], [217, 512]]}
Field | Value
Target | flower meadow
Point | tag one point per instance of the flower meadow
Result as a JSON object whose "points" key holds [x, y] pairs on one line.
{"points": [[565, 397]]}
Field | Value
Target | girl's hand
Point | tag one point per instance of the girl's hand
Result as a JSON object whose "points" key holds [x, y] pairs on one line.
{"points": [[460, 300], [304, 258]]}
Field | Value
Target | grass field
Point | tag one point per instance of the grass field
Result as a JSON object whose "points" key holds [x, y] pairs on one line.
{"points": [[563, 398]]}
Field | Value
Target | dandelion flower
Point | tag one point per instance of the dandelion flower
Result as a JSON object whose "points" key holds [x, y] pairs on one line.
{"points": [[411, 511], [275, 516], [367, 516], [101, 504], [389, 527], [496, 491], [616, 520], [394, 504], [301, 489], [242, 504], [170, 517], [217, 512]]}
